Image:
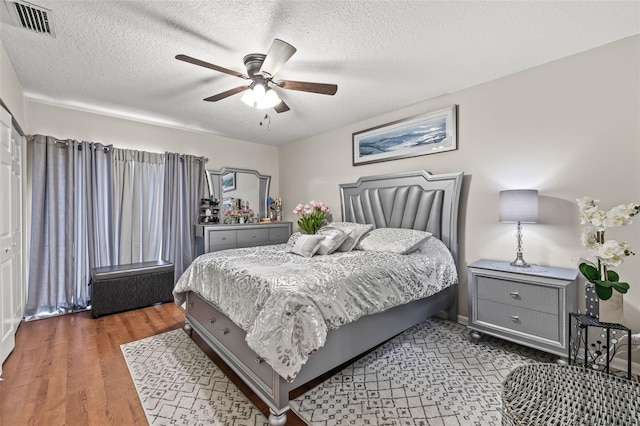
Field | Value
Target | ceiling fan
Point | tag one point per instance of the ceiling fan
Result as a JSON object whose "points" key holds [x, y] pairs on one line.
{"points": [[261, 70]]}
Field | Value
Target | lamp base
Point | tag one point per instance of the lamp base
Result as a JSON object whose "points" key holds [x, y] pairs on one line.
{"points": [[519, 262]]}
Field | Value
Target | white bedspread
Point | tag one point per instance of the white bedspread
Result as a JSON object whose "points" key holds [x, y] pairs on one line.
{"points": [[286, 303]]}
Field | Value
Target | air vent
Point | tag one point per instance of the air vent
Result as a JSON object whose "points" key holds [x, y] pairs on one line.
{"points": [[31, 17]]}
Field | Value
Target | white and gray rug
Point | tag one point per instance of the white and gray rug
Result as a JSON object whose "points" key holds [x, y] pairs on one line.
{"points": [[432, 374], [179, 385]]}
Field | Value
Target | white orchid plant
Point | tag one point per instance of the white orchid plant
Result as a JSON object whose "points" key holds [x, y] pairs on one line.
{"points": [[607, 253]]}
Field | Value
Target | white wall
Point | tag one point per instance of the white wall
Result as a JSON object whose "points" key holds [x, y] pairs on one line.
{"points": [[568, 128], [222, 152], [11, 91]]}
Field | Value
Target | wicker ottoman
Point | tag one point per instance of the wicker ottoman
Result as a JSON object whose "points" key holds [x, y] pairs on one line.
{"points": [[551, 394], [123, 287]]}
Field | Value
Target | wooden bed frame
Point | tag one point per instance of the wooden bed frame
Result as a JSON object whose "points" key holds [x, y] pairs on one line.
{"points": [[417, 200]]}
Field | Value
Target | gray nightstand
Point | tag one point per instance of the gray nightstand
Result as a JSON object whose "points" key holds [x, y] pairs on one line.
{"points": [[529, 306]]}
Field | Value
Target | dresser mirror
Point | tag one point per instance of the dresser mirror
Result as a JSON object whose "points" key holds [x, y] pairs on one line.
{"points": [[233, 186]]}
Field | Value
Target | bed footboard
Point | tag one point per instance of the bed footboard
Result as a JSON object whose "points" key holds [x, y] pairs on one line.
{"points": [[342, 345]]}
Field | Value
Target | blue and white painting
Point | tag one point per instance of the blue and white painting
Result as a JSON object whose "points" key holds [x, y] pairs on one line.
{"points": [[228, 181], [427, 134]]}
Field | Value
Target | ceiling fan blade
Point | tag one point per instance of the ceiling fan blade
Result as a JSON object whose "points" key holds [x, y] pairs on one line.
{"points": [[195, 61], [281, 107], [226, 94], [278, 54], [322, 88]]}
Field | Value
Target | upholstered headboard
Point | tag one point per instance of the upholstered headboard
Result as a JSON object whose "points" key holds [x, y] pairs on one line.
{"points": [[417, 200]]}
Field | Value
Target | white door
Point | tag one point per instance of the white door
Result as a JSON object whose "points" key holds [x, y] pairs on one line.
{"points": [[18, 287], [7, 328]]}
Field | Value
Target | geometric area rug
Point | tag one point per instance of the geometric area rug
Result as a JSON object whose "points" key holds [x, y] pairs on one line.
{"points": [[178, 384], [432, 374]]}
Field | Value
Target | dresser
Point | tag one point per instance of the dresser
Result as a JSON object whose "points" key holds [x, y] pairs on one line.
{"points": [[220, 237], [529, 306]]}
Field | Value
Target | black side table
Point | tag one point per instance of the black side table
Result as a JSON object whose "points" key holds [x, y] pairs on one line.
{"points": [[595, 353]]}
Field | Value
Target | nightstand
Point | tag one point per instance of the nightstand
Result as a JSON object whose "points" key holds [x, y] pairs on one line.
{"points": [[529, 306]]}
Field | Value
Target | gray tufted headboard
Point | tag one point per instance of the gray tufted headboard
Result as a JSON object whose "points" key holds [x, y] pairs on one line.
{"points": [[417, 200]]}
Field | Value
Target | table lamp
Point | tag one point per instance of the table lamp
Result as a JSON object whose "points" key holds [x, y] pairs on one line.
{"points": [[520, 206]]}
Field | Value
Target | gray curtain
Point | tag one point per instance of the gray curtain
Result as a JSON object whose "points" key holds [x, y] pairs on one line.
{"points": [[71, 229], [52, 282], [184, 185], [137, 210], [94, 242]]}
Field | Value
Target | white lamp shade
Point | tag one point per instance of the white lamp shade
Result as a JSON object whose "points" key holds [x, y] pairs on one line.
{"points": [[519, 205]]}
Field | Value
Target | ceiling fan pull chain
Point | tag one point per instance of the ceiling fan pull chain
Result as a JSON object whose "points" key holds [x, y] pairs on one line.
{"points": [[268, 118]]}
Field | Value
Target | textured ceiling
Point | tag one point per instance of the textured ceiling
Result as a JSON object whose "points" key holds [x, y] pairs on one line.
{"points": [[117, 57]]}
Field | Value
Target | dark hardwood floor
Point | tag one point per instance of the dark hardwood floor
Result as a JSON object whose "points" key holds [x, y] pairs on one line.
{"points": [[69, 370]]}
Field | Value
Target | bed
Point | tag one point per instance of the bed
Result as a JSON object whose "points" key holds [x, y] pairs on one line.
{"points": [[238, 330]]}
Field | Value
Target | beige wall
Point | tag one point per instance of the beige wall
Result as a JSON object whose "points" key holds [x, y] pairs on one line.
{"points": [[568, 128], [11, 91], [222, 152]]}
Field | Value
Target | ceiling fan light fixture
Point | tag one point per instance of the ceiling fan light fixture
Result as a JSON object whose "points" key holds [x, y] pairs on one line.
{"points": [[261, 98]]}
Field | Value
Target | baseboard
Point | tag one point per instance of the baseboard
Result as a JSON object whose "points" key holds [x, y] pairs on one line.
{"points": [[618, 363], [621, 364]]}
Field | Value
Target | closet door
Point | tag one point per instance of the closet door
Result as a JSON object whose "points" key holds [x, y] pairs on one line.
{"points": [[17, 246], [9, 270]]}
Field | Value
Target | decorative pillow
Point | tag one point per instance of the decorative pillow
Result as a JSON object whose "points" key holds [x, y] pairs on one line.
{"points": [[354, 232], [393, 240], [304, 245], [334, 238]]}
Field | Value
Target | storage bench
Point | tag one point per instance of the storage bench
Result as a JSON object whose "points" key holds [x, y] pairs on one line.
{"points": [[120, 288]]}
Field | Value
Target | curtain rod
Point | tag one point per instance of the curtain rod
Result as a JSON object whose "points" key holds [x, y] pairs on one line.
{"points": [[105, 148], [203, 159]]}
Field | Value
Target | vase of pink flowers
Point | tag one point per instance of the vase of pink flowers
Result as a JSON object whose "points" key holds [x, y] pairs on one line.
{"points": [[311, 216]]}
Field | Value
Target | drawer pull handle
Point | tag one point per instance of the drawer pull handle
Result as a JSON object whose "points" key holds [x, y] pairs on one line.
{"points": [[223, 238], [259, 360], [515, 318], [514, 294], [212, 321], [191, 304], [225, 331]]}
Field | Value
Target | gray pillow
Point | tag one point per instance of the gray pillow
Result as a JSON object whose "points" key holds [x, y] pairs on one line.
{"points": [[393, 240], [355, 231], [303, 244], [334, 238]]}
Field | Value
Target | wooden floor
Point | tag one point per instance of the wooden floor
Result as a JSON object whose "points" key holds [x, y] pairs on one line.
{"points": [[69, 370]]}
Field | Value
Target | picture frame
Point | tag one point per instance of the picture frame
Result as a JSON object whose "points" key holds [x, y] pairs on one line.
{"points": [[229, 181], [429, 133]]}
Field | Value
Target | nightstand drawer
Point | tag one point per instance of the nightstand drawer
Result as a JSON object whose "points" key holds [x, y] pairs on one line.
{"points": [[519, 294], [523, 320]]}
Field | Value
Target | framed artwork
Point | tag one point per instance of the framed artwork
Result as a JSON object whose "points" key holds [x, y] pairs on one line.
{"points": [[425, 134], [229, 181]]}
